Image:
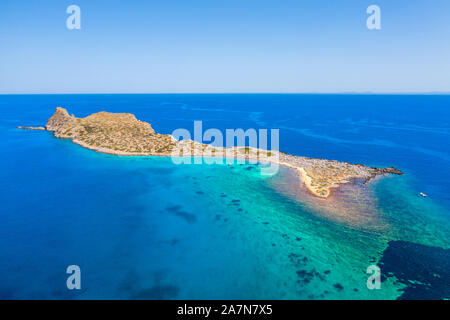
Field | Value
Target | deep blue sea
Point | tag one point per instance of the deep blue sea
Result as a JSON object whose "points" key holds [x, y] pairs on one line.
{"points": [[145, 228]]}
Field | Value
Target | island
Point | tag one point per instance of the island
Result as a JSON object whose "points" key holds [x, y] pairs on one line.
{"points": [[123, 134]]}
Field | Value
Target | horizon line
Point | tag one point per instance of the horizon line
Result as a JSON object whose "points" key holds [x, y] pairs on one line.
{"points": [[310, 93]]}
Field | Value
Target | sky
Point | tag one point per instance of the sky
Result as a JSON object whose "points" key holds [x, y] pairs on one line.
{"points": [[206, 46]]}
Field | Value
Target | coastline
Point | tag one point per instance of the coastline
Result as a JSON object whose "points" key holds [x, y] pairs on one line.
{"points": [[122, 134], [303, 175], [305, 178]]}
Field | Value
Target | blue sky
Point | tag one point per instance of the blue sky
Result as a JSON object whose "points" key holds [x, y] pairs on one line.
{"points": [[224, 46]]}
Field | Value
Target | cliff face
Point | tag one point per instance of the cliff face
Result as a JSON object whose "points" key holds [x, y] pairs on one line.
{"points": [[59, 120]]}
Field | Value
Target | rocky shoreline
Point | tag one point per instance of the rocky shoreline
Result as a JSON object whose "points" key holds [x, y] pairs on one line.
{"points": [[122, 134]]}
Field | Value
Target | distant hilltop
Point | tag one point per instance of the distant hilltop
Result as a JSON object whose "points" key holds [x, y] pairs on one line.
{"points": [[123, 134]]}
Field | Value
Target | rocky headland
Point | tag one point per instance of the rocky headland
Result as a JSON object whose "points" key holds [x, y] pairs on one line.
{"points": [[31, 128], [123, 134]]}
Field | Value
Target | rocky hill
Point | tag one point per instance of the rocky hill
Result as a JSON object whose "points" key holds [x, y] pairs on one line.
{"points": [[115, 133]]}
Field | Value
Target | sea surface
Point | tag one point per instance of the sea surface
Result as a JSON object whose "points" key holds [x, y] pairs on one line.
{"points": [[146, 228]]}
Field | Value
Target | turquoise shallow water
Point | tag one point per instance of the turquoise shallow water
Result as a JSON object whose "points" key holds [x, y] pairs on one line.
{"points": [[144, 228]]}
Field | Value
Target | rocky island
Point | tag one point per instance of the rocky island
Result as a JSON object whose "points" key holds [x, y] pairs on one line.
{"points": [[123, 134]]}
